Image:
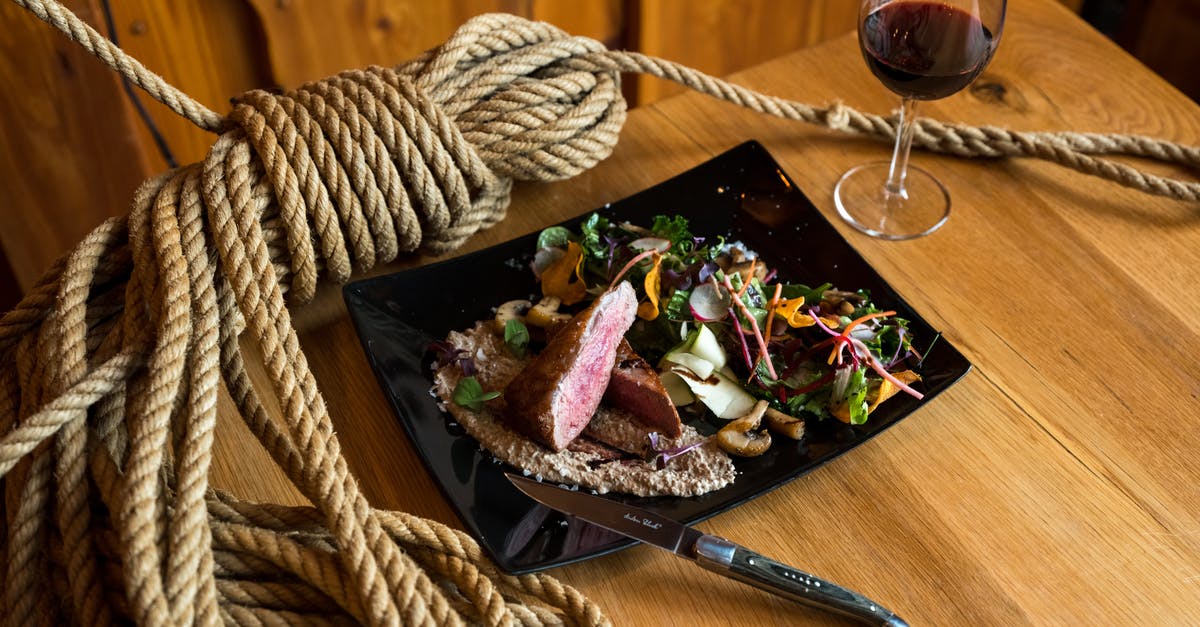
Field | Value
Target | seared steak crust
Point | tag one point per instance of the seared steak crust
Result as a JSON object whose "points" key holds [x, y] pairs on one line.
{"points": [[636, 388]]}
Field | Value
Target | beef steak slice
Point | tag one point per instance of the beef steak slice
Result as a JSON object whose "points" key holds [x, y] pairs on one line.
{"points": [[555, 395]]}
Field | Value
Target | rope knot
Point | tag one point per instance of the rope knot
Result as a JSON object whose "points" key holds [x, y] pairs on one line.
{"points": [[367, 164], [836, 116]]}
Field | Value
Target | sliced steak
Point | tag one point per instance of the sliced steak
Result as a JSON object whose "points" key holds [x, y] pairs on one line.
{"points": [[605, 453], [636, 388], [555, 395]]}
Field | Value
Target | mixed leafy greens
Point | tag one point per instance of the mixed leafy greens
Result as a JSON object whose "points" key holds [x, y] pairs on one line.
{"points": [[712, 313]]}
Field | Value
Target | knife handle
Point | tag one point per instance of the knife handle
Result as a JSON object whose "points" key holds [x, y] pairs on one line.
{"points": [[737, 562]]}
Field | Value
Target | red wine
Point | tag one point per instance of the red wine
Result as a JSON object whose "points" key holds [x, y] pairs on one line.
{"points": [[924, 50]]}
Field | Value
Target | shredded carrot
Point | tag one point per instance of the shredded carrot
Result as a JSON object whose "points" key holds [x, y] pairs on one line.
{"points": [[746, 279], [843, 339], [836, 353], [771, 307], [862, 319], [762, 344]]}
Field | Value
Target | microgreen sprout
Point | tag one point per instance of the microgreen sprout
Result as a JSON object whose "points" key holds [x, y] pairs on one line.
{"points": [[445, 354], [516, 337], [469, 393], [662, 456]]}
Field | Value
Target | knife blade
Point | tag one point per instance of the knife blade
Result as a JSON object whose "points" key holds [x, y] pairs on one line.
{"points": [[711, 552]]}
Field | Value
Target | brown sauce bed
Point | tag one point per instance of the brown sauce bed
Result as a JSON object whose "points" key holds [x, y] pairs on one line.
{"points": [[703, 470]]}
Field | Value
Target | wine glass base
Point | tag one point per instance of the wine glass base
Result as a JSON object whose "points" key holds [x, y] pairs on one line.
{"points": [[865, 203]]}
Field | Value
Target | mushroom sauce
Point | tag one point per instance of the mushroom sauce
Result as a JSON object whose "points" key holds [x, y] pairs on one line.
{"points": [[702, 470]]}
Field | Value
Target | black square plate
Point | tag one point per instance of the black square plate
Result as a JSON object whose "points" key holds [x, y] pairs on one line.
{"points": [[742, 194]]}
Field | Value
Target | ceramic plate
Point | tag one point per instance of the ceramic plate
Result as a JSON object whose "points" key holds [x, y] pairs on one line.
{"points": [[742, 194]]}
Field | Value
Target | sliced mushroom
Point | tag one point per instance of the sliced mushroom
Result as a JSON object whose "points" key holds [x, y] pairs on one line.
{"points": [[511, 310], [740, 437], [546, 312], [835, 298], [748, 269], [782, 424], [736, 261]]}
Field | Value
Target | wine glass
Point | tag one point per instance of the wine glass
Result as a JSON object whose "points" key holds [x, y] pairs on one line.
{"points": [[922, 50]]}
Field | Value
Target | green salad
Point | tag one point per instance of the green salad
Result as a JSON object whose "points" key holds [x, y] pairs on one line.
{"points": [[725, 330]]}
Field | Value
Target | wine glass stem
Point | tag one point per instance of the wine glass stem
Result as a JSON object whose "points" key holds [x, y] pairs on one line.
{"points": [[899, 168]]}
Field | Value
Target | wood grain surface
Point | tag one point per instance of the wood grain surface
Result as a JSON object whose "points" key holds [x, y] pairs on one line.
{"points": [[1058, 483], [53, 191]]}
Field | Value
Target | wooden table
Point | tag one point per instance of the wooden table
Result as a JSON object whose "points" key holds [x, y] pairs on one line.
{"points": [[1058, 483]]}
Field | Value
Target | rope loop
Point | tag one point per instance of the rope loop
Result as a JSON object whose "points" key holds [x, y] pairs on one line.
{"points": [[369, 164]]}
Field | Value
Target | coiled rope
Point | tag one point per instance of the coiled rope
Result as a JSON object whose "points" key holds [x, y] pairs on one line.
{"points": [[110, 366]]}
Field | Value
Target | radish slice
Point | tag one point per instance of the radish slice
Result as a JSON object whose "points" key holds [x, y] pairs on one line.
{"points": [[709, 303], [651, 243]]}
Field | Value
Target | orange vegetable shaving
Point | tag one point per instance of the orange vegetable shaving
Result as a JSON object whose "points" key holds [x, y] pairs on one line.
{"points": [[844, 338], [556, 280], [877, 394], [758, 336], [649, 309], [746, 279], [771, 307], [789, 310]]}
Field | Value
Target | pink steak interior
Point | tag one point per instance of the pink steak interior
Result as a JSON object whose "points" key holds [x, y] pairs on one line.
{"points": [[581, 389]]}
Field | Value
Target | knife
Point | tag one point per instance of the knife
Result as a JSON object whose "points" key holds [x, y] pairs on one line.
{"points": [[712, 552]]}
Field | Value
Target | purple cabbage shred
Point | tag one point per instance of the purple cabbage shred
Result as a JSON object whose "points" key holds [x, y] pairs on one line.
{"points": [[662, 456], [445, 354]]}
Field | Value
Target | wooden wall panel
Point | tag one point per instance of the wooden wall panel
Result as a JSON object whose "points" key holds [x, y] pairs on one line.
{"points": [[66, 158], [73, 148], [1165, 35], [603, 20], [723, 36], [211, 49], [311, 39]]}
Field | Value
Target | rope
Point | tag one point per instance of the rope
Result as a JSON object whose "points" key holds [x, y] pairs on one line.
{"points": [[111, 365], [555, 66]]}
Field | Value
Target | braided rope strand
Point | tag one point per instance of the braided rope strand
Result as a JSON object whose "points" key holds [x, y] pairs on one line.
{"points": [[111, 365]]}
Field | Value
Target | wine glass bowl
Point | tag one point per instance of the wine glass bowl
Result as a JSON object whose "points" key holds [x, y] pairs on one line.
{"points": [[921, 50]]}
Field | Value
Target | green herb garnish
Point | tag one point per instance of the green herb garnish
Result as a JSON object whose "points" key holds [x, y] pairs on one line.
{"points": [[516, 337], [674, 230], [468, 393], [856, 399]]}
